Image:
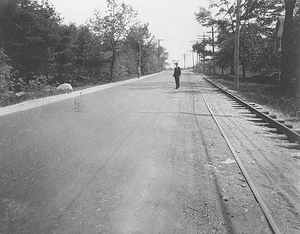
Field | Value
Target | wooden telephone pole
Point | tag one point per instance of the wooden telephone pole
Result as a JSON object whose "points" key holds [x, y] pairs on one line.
{"points": [[197, 52], [202, 38], [213, 47], [184, 57], [192, 58], [158, 55], [140, 59], [237, 48]]}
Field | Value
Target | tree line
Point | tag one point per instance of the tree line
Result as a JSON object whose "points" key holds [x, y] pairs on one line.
{"points": [[37, 48], [261, 50]]}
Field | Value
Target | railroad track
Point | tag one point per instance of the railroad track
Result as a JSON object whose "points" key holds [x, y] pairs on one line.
{"points": [[292, 135], [268, 119]]}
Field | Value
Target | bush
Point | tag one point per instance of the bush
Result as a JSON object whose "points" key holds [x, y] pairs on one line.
{"points": [[290, 105], [5, 72]]}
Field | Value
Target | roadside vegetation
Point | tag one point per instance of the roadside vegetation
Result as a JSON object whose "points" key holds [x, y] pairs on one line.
{"points": [[269, 50], [38, 52]]}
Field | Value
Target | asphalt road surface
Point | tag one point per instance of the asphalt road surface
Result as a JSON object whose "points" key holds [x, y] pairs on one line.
{"points": [[128, 159]]}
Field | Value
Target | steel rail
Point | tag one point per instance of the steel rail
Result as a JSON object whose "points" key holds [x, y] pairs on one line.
{"points": [[292, 135], [272, 224]]}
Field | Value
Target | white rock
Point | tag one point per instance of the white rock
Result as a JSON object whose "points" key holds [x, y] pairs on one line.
{"points": [[65, 87], [20, 94]]}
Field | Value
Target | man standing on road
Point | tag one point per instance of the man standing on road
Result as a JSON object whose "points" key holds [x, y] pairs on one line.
{"points": [[177, 74]]}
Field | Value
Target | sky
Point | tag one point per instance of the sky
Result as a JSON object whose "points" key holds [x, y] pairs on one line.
{"points": [[172, 21]]}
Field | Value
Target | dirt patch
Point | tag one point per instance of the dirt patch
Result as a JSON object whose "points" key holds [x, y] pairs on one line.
{"points": [[268, 157]]}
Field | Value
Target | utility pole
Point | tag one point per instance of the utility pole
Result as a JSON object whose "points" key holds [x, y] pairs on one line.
{"points": [[158, 55], [213, 47], [192, 58], [184, 56], [197, 52], [140, 60], [237, 47], [203, 38]]}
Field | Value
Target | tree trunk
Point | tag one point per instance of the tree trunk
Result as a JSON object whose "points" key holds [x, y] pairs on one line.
{"points": [[112, 64], [232, 69], [287, 60], [244, 70]]}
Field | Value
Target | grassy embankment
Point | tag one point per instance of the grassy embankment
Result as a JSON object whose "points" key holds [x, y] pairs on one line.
{"points": [[37, 89], [35, 92]]}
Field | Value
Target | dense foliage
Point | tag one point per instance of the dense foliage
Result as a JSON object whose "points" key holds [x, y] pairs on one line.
{"points": [[259, 46], [36, 47]]}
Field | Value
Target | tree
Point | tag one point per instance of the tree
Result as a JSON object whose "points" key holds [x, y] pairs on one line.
{"points": [[39, 47], [296, 44], [64, 54], [5, 72], [135, 47], [225, 54], [199, 48], [257, 25], [139, 47], [204, 16], [206, 19], [287, 69], [113, 28], [28, 31], [251, 48]]}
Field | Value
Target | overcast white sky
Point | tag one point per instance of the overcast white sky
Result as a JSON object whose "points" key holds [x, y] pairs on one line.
{"points": [[170, 20]]}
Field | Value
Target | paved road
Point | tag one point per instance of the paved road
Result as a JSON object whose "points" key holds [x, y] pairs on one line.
{"points": [[128, 159]]}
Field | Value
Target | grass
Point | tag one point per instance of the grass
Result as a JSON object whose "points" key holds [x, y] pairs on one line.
{"points": [[11, 98], [39, 88], [35, 92]]}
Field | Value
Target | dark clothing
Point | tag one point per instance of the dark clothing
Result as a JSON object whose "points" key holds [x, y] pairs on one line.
{"points": [[177, 71], [176, 75], [177, 81]]}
